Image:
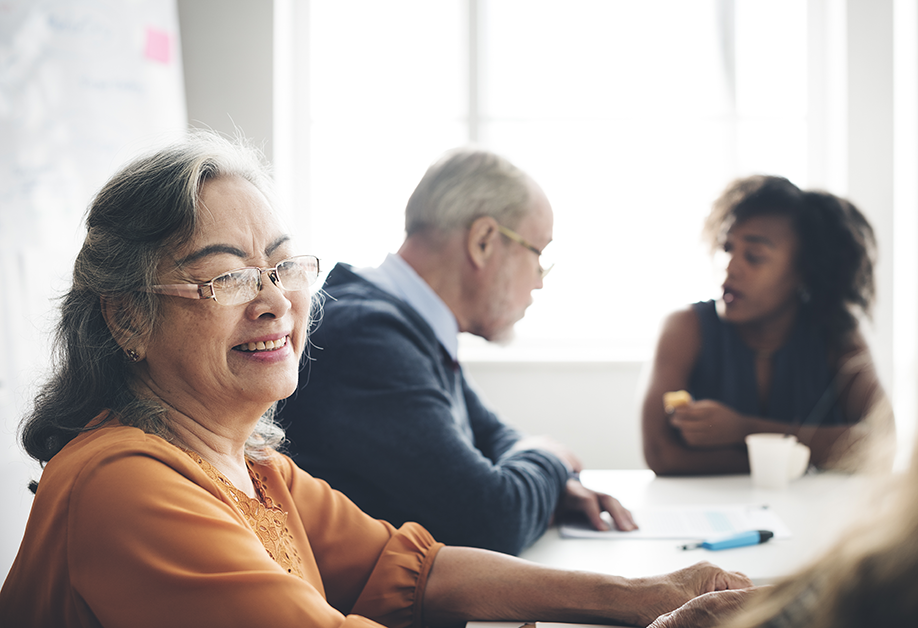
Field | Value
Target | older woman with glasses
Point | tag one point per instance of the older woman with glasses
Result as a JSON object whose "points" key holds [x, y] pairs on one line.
{"points": [[164, 501]]}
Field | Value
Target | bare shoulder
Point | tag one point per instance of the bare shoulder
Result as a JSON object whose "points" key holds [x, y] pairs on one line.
{"points": [[680, 338], [682, 324], [683, 320]]}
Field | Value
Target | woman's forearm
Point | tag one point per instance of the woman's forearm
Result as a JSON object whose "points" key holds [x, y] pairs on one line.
{"points": [[667, 453], [471, 584], [680, 459]]}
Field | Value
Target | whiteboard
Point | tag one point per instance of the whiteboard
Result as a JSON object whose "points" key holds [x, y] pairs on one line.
{"points": [[84, 86]]}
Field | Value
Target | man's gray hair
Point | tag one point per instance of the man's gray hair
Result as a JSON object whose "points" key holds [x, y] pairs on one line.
{"points": [[464, 185]]}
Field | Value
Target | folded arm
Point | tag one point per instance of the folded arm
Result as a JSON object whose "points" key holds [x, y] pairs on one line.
{"points": [[707, 436], [665, 448]]}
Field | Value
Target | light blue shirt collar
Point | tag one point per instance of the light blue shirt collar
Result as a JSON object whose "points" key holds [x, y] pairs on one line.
{"points": [[399, 279]]}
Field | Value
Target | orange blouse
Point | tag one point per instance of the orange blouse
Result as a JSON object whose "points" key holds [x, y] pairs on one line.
{"points": [[129, 530]]}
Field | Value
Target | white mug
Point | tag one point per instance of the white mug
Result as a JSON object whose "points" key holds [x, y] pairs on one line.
{"points": [[776, 459]]}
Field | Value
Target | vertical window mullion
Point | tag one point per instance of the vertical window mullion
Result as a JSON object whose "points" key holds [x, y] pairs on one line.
{"points": [[474, 44], [726, 14]]}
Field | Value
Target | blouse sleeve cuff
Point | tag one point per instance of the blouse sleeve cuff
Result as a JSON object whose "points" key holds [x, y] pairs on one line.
{"points": [[394, 593]]}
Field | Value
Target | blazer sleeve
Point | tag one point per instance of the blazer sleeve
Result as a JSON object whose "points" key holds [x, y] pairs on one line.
{"points": [[374, 416]]}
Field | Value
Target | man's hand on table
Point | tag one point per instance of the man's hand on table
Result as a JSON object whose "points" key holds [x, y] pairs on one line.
{"points": [[591, 504], [578, 499]]}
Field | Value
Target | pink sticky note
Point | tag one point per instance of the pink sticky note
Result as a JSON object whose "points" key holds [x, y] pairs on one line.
{"points": [[157, 48]]}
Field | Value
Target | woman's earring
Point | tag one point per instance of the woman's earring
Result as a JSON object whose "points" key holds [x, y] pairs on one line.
{"points": [[804, 293], [132, 355]]}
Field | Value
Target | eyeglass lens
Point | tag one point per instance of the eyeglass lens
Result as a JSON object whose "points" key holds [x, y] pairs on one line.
{"points": [[241, 286]]}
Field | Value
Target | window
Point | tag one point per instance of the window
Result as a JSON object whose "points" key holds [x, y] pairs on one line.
{"points": [[631, 115]]}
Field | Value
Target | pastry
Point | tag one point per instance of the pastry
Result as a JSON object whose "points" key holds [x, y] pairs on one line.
{"points": [[674, 399]]}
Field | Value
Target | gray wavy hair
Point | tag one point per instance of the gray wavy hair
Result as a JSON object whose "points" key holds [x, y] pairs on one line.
{"points": [[145, 211]]}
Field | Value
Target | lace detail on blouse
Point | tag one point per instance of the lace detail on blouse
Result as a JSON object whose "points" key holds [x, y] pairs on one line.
{"points": [[266, 518]]}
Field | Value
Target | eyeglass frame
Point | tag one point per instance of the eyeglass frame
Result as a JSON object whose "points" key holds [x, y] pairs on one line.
{"points": [[513, 235], [196, 290]]}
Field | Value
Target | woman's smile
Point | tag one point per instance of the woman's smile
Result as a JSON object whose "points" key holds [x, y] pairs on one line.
{"points": [[263, 345]]}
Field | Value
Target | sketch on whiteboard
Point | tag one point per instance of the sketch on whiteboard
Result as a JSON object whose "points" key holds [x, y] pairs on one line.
{"points": [[83, 87]]}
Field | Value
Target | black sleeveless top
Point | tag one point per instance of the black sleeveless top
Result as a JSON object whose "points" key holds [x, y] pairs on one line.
{"points": [[725, 372]]}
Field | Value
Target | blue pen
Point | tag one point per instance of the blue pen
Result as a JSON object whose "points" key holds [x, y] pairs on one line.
{"points": [[752, 537]]}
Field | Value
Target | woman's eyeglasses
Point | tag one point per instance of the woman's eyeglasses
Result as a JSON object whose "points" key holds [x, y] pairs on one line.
{"points": [[243, 284]]}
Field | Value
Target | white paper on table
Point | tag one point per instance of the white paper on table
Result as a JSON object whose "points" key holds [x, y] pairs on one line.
{"points": [[681, 522]]}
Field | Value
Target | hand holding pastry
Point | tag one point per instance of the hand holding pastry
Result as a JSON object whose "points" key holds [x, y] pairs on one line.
{"points": [[674, 399]]}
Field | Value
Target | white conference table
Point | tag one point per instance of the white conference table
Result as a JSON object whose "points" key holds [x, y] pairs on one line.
{"points": [[817, 508]]}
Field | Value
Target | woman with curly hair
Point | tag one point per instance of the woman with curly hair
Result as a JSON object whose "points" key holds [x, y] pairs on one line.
{"points": [[780, 350]]}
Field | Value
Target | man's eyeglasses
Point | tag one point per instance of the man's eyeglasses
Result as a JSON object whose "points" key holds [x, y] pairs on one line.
{"points": [[513, 235], [243, 284]]}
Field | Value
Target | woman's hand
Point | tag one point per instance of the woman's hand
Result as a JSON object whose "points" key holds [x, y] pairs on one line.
{"points": [[709, 423], [706, 611], [702, 581]]}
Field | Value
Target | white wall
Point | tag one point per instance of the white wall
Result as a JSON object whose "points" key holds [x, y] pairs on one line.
{"points": [[228, 58], [592, 407]]}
